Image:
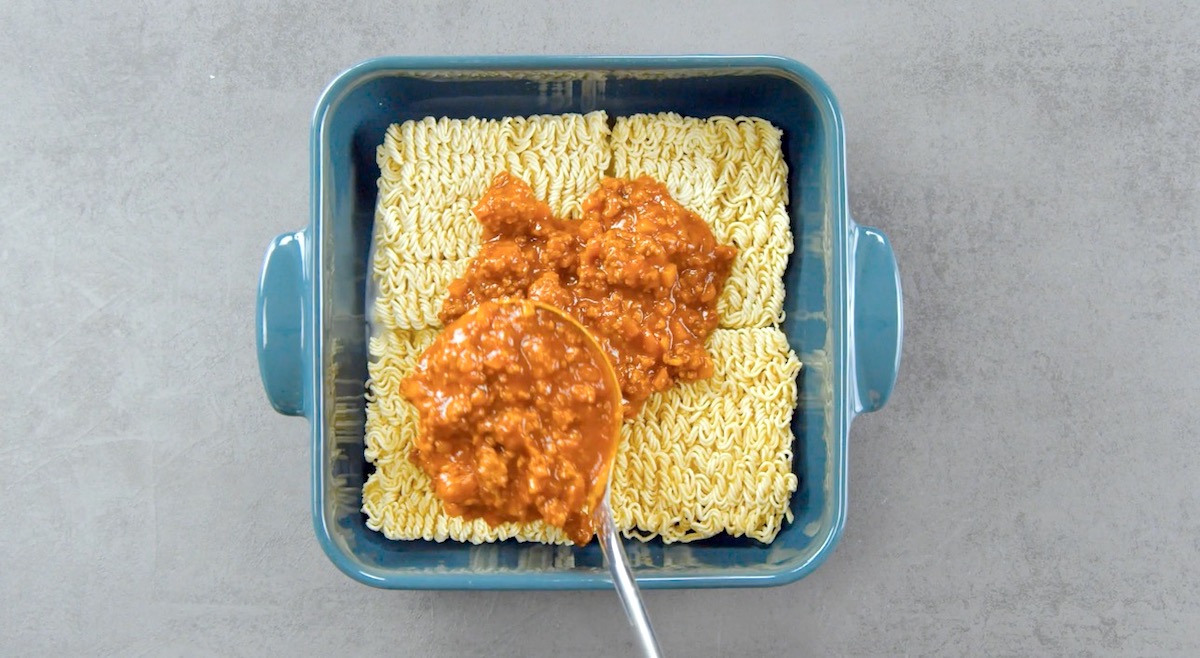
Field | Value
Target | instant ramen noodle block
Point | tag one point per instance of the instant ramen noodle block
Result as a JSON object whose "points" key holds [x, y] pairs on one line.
{"points": [[714, 455], [398, 498], [433, 171], [732, 173]]}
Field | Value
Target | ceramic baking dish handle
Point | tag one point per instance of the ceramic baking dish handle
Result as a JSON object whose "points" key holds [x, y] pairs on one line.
{"points": [[878, 318], [281, 292]]}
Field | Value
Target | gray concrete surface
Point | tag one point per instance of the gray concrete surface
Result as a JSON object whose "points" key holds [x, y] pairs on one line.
{"points": [[1032, 489]]}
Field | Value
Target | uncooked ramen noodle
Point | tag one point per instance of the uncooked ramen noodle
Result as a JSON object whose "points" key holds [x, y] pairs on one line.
{"points": [[701, 458]]}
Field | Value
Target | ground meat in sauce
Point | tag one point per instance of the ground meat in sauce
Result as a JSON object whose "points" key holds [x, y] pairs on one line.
{"points": [[519, 418], [639, 270]]}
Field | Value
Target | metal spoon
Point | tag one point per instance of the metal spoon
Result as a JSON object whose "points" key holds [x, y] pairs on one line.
{"points": [[623, 580]]}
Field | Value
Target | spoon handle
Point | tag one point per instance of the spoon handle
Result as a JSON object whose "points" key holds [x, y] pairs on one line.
{"points": [[623, 580]]}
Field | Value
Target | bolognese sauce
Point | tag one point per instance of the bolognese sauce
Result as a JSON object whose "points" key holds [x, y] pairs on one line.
{"points": [[519, 417], [639, 270]]}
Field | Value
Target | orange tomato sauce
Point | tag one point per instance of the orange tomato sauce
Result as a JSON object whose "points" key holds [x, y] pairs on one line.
{"points": [[519, 418], [639, 270]]}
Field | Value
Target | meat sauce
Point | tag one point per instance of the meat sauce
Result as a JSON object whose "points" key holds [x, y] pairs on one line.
{"points": [[519, 417], [639, 270]]}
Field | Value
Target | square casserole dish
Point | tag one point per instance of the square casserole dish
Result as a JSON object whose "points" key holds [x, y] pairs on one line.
{"points": [[842, 304]]}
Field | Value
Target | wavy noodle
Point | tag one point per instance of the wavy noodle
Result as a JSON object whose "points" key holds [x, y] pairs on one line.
{"points": [[732, 173], [700, 459], [433, 171], [715, 455], [411, 294]]}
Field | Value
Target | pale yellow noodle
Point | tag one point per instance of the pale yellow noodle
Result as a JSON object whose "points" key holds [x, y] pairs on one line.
{"points": [[715, 455], [700, 459], [411, 294]]}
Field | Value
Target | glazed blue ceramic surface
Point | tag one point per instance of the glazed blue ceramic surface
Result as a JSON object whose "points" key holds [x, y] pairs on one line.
{"points": [[843, 305]]}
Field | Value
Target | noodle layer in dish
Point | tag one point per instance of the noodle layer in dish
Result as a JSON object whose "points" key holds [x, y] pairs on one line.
{"points": [[700, 458]]}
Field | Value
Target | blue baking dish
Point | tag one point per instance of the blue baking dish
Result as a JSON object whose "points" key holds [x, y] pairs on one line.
{"points": [[843, 305]]}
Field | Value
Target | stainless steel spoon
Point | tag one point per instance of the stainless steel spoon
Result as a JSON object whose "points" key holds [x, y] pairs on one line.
{"points": [[623, 580]]}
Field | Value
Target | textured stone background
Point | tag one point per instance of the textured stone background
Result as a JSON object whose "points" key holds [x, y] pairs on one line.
{"points": [[1032, 489]]}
